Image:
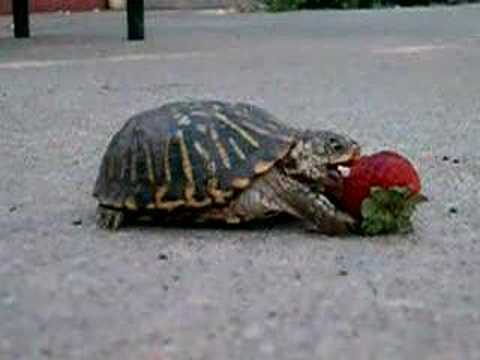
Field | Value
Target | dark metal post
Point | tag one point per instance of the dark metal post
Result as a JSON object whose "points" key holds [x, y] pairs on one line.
{"points": [[135, 19], [20, 18]]}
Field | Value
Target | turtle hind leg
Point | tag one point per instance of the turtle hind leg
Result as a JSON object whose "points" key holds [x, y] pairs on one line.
{"points": [[108, 218]]}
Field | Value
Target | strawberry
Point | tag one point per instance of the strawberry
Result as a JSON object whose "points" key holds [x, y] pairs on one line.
{"points": [[382, 191]]}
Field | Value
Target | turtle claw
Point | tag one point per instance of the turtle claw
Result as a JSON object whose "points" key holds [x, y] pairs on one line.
{"points": [[109, 219], [331, 227]]}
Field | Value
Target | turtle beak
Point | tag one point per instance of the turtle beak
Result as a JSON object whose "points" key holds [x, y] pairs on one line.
{"points": [[353, 155], [356, 152]]}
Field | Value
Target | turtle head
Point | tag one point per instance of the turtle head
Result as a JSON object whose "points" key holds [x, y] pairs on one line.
{"points": [[317, 152], [330, 148]]}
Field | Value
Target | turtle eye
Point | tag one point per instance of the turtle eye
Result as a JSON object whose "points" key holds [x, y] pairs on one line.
{"points": [[336, 145]]}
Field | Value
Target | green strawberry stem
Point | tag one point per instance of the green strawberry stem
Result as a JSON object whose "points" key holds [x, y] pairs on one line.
{"points": [[389, 210]]}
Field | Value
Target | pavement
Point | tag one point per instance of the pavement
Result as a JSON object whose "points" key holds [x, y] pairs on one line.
{"points": [[405, 79]]}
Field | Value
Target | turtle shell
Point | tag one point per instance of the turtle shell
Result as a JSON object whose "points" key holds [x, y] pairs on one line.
{"points": [[190, 154]]}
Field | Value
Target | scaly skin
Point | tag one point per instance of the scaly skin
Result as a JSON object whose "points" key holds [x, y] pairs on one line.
{"points": [[286, 188]]}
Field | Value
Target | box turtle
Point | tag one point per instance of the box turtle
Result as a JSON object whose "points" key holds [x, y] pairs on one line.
{"points": [[220, 161]]}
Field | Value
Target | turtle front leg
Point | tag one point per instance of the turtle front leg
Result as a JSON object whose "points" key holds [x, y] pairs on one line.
{"points": [[311, 206], [318, 212], [108, 218]]}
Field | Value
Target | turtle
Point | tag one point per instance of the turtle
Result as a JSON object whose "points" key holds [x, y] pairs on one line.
{"points": [[210, 161]]}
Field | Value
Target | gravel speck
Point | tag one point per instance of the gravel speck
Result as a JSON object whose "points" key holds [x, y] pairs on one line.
{"points": [[272, 314], [162, 256], [298, 275], [342, 272]]}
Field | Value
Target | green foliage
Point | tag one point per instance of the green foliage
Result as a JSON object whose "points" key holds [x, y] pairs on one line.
{"points": [[340, 4], [389, 211], [284, 5], [290, 5]]}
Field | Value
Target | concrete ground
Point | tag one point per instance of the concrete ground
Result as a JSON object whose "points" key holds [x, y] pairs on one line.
{"points": [[402, 79]]}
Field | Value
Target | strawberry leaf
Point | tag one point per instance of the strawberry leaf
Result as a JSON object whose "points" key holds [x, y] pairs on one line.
{"points": [[389, 210]]}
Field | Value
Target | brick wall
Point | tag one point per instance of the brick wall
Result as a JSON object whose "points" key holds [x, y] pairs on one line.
{"points": [[185, 4], [85, 5], [56, 5]]}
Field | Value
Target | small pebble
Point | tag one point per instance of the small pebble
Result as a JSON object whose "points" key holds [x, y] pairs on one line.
{"points": [[298, 275], [272, 314], [453, 210], [77, 222], [105, 87], [342, 272], [46, 352], [162, 256]]}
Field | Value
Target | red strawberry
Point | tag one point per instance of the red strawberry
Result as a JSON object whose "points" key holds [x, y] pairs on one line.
{"points": [[382, 190]]}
